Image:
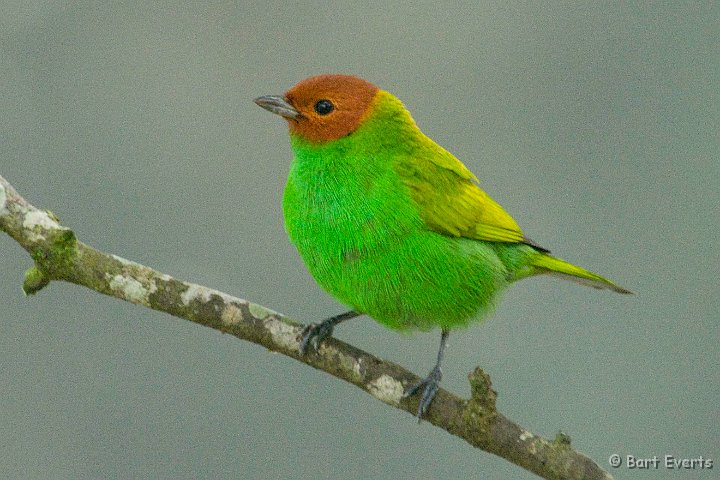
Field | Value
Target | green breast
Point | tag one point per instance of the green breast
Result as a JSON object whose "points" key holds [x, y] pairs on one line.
{"points": [[361, 237]]}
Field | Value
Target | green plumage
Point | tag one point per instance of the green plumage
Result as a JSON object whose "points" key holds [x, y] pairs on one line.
{"points": [[351, 210]]}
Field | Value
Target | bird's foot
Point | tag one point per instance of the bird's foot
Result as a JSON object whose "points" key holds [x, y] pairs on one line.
{"points": [[315, 333], [429, 386]]}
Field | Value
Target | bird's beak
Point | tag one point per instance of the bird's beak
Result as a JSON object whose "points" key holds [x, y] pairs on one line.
{"points": [[279, 105]]}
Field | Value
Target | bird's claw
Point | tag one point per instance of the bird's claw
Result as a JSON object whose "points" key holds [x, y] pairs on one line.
{"points": [[313, 334], [430, 386]]}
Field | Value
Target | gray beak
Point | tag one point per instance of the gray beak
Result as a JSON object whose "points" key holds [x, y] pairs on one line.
{"points": [[277, 104]]}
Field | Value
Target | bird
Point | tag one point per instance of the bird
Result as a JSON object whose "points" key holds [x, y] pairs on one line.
{"points": [[393, 225]]}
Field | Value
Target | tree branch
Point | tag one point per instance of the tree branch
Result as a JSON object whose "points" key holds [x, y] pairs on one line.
{"points": [[58, 255]]}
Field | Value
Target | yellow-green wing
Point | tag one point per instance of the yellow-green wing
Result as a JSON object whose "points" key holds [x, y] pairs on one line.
{"points": [[451, 202]]}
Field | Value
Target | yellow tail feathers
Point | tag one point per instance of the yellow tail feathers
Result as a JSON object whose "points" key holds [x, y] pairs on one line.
{"points": [[561, 268]]}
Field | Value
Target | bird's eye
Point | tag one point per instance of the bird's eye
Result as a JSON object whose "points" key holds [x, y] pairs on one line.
{"points": [[323, 107]]}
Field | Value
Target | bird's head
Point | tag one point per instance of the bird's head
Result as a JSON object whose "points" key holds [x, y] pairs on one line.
{"points": [[323, 108]]}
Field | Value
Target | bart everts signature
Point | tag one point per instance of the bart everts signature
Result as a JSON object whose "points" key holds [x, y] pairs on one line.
{"points": [[657, 462]]}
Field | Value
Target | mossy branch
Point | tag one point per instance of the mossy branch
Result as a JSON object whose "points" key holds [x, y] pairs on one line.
{"points": [[58, 255]]}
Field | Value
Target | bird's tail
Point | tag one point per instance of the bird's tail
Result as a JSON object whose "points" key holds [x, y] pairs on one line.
{"points": [[560, 268]]}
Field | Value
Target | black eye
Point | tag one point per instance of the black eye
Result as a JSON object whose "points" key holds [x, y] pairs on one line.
{"points": [[323, 107]]}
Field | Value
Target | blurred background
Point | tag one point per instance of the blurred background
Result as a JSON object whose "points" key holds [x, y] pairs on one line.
{"points": [[594, 124]]}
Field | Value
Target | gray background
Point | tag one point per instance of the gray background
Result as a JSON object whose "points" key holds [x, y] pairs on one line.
{"points": [[595, 125]]}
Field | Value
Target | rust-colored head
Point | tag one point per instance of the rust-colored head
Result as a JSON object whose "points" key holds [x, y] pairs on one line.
{"points": [[323, 108]]}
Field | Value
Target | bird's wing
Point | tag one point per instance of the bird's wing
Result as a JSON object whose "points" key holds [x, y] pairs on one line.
{"points": [[451, 202]]}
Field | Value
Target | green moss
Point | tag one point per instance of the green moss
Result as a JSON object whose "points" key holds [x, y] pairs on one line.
{"points": [[54, 259], [562, 439], [34, 281], [62, 251]]}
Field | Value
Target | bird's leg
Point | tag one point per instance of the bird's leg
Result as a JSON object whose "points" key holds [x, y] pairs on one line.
{"points": [[315, 333], [431, 383]]}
